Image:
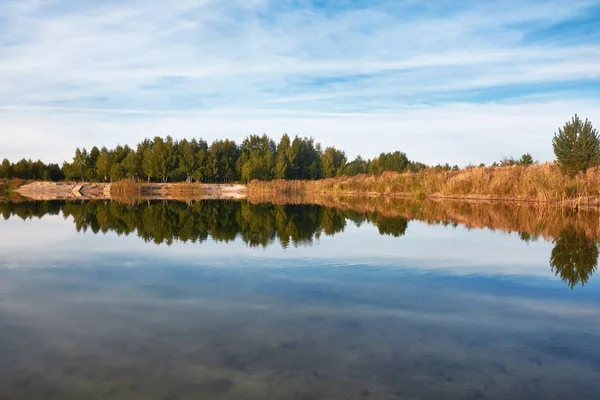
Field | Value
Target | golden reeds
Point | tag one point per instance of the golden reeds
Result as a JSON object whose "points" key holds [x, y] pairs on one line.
{"points": [[539, 183]]}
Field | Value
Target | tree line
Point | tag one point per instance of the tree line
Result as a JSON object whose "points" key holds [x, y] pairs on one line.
{"points": [[169, 160], [576, 146], [31, 170]]}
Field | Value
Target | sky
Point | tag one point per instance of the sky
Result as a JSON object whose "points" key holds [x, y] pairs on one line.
{"points": [[444, 81]]}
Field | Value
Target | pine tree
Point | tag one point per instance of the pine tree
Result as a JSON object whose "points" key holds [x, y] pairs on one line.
{"points": [[526, 159], [576, 146]]}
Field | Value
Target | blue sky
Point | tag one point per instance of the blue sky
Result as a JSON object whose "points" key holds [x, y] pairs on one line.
{"points": [[455, 81]]}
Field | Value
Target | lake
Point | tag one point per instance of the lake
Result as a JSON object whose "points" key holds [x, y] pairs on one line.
{"points": [[373, 299]]}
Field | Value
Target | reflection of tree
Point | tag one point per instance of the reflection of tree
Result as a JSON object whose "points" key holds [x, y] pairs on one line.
{"points": [[392, 226], [574, 256], [528, 237], [167, 221]]}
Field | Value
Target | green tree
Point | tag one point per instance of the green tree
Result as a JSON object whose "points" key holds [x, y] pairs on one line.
{"points": [[257, 158], [333, 162], [130, 165], [90, 164], [6, 169], [54, 172], [396, 162], [103, 164], [283, 163], [576, 146], [526, 159], [188, 158], [116, 172], [202, 172], [356, 167], [305, 159], [148, 166], [222, 160]]}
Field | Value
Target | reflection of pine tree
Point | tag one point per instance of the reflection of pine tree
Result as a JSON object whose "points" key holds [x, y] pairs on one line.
{"points": [[574, 257]]}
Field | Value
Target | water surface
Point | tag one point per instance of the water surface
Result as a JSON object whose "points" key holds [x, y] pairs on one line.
{"points": [[233, 300]]}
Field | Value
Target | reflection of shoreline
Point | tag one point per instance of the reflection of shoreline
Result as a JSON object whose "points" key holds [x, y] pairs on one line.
{"points": [[298, 221], [531, 219], [47, 191]]}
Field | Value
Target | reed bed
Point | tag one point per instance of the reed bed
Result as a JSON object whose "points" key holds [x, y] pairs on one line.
{"points": [[131, 191], [538, 183], [126, 188]]}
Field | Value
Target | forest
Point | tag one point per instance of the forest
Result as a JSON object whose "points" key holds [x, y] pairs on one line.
{"points": [[169, 160]]}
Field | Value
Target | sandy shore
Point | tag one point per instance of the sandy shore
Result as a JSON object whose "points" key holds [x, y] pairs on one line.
{"points": [[101, 191]]}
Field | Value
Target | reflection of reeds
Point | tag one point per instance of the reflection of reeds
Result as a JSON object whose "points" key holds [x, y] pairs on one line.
{"points": [[533, 219], [127, 189], [540, 183]]}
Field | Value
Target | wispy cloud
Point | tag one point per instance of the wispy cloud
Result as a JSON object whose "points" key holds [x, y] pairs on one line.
{"points": [[366, 76]]}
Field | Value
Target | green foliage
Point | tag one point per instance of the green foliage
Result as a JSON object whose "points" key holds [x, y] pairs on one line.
{"points": [[526, 159], [305, 159], [396, 162], [576, 146], [333, 163], [103, 164], [30, 170], [356, 167], [257, 157]]}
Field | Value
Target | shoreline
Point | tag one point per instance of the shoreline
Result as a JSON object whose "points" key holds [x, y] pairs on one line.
{"points": [[45, 191]]}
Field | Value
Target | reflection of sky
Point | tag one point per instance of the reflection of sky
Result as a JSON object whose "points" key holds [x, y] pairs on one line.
{"points": [[449, 250], [476, 311]]}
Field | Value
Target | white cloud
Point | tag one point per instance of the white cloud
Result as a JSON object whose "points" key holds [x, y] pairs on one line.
{"points": [[395, 75]]}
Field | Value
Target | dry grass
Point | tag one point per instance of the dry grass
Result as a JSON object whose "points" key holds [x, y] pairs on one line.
{"points": [[126, 188], [539, 183]]}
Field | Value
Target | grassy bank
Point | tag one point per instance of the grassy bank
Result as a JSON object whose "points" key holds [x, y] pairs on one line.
{"points": [[539, 183]]}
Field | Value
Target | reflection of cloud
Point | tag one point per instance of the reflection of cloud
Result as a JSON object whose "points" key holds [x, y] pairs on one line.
{"points": [[110, 72], [424, 249], [390, 331]]}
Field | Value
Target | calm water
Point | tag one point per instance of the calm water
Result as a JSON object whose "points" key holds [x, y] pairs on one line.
{"points": [[229, 300]]}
